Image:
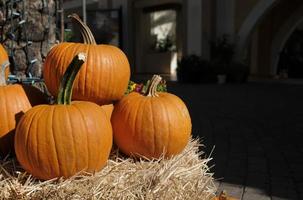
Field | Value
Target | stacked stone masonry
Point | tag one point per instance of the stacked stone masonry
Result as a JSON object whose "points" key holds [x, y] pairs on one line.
{"points": [[32, 39]]}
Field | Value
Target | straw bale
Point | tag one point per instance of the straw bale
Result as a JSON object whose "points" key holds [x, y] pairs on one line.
{"points": [[185, 176]]}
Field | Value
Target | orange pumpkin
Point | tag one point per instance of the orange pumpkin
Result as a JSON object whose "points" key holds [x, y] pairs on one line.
{"points": [[151, 125], [104, 76], [13, 103], [4, 60], [63, 139]]}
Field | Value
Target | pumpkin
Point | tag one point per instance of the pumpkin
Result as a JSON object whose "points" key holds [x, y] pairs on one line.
{"points": [[13, 103], [66, 138], [4, 60], [151, 125], [104, 76]]}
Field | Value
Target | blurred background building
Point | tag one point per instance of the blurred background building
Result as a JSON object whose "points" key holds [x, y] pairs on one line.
{"points": [[266, 35]]}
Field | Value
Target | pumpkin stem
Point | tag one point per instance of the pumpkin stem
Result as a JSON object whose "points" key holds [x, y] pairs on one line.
{"points": [[2, 73], [152, 88], [88, 37], [67, 82]]}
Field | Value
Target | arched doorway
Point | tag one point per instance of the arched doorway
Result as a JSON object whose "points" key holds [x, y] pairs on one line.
{"points": [[244, 33], [283, 37], [264, 33], [290, 63]]}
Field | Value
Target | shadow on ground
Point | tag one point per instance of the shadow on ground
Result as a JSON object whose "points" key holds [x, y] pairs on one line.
{"points": [[257, 131]]}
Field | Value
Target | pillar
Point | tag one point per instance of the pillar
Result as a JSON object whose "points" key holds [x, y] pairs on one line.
{"points": [[194, 28]]}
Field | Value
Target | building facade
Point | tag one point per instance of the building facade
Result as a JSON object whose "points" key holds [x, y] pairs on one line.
{"points": [[155, 33]]}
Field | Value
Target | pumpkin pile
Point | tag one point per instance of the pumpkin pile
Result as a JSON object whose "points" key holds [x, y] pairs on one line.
{"points": [[75, 135]]}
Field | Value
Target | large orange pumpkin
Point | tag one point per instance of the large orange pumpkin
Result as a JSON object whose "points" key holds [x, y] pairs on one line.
{"points": [[104, 76], [13, 103], [151, 125], [63, 139]]}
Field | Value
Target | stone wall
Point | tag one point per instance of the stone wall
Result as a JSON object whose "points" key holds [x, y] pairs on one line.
{"points": [[28, 43]]}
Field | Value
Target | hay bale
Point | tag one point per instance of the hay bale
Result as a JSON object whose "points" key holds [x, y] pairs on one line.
{"points": [[185, 176]]}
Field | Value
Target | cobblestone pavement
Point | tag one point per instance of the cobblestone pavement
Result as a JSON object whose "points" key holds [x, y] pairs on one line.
{"points": [[257, 131]]}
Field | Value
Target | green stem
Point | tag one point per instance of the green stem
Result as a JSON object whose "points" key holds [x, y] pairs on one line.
{"points": [[4, 65], [87, 35], [152, 88], [67, 82]]}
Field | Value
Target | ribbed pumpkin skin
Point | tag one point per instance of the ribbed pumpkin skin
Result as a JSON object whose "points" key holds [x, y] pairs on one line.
{"points": [[4, 58], [61, 140], [13, 104], [102, 79], [149, 126]]}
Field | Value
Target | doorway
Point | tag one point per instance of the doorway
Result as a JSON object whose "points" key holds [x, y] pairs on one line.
{"points": [[157, 39], [291, 59]]}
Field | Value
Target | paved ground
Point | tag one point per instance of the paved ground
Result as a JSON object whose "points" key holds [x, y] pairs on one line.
{"points": [[257, 131]]}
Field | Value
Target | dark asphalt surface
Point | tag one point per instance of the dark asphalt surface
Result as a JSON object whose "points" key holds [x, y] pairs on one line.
{"points": [[257, 131]]}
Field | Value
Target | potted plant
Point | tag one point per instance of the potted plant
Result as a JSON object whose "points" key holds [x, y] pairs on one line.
{"points": [[207, 73], [188, 69], [220, 70], [222, 52], [194, 69], [237, 72]]}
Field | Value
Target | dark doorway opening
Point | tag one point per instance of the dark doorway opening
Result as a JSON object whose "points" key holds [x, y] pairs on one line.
{"points": [[291, 57]]}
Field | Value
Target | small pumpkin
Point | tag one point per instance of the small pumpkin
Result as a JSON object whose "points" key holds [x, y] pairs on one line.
{"points": [[13, 103], [66, 138], [104, 76], [152, 124]]}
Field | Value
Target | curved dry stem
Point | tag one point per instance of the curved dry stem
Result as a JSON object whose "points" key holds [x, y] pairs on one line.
{"points": [[152, 88], [88, 37]]}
